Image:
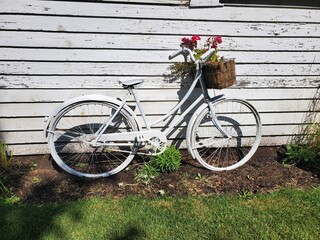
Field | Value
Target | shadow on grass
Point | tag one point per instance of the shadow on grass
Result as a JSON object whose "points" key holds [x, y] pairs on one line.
{"points": [[30, 221], [131, 233]]}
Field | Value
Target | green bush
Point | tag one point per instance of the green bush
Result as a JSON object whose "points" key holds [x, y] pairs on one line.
{"points": [[308, 148], [168, 161], [299, 153]]}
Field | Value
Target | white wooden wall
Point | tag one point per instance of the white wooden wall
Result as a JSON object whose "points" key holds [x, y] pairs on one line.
{"points": [[51, 51]]}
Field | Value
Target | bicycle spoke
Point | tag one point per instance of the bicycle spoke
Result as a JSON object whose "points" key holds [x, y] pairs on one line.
{"points": [[240, 121], [73, 134]]}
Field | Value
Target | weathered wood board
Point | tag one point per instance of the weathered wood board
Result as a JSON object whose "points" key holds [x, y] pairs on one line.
{"points": [[51, 51]]}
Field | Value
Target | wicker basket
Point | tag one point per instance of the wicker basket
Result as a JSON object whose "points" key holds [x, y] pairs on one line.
{"points": [[219, 75]]}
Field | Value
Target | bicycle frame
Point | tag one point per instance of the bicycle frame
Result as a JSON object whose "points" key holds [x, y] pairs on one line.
{"points": [[100, 137]]}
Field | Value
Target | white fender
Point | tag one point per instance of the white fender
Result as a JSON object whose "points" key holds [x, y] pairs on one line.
{"points": [[100, 98]]}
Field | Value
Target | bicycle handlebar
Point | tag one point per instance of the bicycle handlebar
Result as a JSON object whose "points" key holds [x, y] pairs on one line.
{"points": [[207, 55], [175, 54], [186, 51]]}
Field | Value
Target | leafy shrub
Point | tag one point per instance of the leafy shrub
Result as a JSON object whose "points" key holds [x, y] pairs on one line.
{"points": [[308, 150], [298, 153], [168, 161]]}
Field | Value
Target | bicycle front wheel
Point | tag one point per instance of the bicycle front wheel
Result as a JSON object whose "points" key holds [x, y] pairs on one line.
{"points": [[74, 130], [230, 139]]}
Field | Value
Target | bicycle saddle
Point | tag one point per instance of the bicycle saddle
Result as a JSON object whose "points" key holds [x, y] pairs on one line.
{"points": [[131, 83]]}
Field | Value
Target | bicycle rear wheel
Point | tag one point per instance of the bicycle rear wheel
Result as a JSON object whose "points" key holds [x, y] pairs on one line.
{"points": [[75, 128], [218, 152]]}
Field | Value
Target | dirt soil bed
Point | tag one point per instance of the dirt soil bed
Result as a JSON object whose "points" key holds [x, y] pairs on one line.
{"points": [[36, 179]]}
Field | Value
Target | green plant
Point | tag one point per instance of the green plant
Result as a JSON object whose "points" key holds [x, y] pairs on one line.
{"points": [[6, 193], [245, 194], [5, 160], [199, 176], [307, 150], [147, 173], [36, 180], [168, 161], [298, 153], [305, 145], [5, 157]]}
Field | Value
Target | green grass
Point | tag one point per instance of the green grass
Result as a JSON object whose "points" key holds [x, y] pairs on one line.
{"points": [[287, 214]]}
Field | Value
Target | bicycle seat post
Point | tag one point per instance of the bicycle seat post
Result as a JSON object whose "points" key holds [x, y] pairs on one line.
{"points": [[133, 92]]}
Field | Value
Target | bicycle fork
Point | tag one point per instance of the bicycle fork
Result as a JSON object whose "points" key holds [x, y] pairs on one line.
{"points": [[216, 122]]}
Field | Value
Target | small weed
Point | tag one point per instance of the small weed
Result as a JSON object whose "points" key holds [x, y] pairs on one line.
{"points": [[3, 187], [199, 176], [185, 175], [33, 166], [12, 200], [161, 192], [250, 178], [6, 193], [36, 180], [147, 173], [245, 194]]}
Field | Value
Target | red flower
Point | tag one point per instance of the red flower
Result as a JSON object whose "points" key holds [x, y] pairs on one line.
{"points": [[218, 39], [195, 38], [190, 42], [214, 45], [184, 40]]}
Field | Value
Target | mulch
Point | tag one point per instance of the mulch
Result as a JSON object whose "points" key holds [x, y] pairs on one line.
{"points": [[37, 179]]}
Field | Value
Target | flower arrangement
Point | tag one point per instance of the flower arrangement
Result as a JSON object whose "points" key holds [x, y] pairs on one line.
{"points": [[218, 72], [211, 42], [187, 68]]}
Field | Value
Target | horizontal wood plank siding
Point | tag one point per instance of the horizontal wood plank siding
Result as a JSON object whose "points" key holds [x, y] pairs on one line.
{"points": [[51, 51]]}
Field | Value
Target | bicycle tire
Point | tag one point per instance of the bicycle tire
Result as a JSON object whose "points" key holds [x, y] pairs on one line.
{"points": [[74, 128], [214, 150]]}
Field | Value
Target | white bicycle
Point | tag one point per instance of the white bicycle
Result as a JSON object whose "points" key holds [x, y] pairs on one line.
{"points": [[98, 136]]}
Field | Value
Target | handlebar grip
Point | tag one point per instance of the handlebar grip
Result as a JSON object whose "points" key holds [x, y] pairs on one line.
{"points": [[175, 54]]}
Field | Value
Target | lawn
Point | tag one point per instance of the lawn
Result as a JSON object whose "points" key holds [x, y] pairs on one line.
{"points": [[285, 214]]}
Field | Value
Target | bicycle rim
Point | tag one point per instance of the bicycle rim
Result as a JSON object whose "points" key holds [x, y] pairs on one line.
{"points": [[218, 152], [74, 129]]}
